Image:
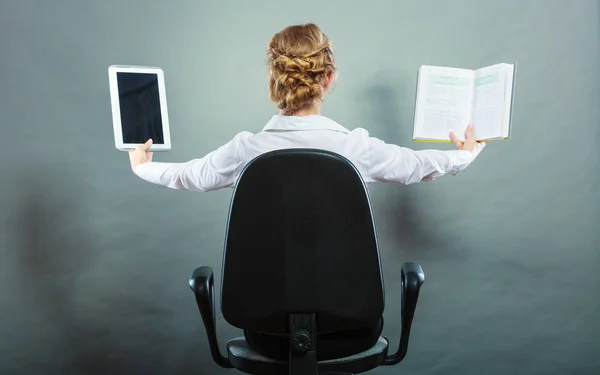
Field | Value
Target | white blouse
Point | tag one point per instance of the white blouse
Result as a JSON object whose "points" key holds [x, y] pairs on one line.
{"points": [[374, 159]]}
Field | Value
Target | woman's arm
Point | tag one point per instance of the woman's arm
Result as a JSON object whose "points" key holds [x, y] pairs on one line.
{"points": [[392, 163], [218, 169]]}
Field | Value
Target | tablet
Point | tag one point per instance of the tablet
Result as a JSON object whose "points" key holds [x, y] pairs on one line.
{"points": [[139, 107]]}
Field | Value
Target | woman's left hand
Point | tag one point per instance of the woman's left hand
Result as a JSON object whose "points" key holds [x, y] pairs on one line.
{"points": [[140, 155]]}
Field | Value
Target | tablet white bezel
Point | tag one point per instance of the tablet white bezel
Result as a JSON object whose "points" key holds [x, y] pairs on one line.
{"points": [[116, 109]]}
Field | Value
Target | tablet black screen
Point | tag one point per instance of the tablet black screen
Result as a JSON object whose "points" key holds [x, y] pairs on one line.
{"points": [[139, 100]]}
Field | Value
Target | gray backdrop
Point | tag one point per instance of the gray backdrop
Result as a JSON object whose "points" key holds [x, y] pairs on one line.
{"points": [[94, 262]]}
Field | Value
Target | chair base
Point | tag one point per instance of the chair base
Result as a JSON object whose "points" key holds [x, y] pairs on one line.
{"points": [[245, 359]]}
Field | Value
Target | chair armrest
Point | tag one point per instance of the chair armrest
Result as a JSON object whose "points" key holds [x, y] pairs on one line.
{"points": [[202, 284], [412, 279]]}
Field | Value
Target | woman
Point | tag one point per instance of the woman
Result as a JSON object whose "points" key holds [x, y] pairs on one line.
{"points": [[301, 70]]}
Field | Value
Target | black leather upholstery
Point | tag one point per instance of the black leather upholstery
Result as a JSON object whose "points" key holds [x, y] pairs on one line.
{"points": [[301, 258], [295, 216]]}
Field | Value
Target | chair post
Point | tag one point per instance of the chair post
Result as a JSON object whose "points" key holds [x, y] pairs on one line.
{"points": [[303, 344]]}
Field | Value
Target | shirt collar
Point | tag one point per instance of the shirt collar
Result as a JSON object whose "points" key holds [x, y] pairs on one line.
{"points": [[295, 123]]}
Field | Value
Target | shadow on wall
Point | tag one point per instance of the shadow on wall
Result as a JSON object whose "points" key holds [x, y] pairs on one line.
{"points": [[400, 206], [53, 252]]}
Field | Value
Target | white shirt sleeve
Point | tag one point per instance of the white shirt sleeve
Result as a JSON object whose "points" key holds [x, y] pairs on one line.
{"points": [[392, 163], [218, 169]]}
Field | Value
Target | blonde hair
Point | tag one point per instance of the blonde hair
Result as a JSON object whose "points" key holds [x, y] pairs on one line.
{"points": [[300, 57]]}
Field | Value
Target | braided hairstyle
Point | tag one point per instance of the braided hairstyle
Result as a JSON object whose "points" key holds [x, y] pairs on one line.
{"points": [[300, 59]]}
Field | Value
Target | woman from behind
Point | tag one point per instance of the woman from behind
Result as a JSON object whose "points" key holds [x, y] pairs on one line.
{"points": [[302, 69]]}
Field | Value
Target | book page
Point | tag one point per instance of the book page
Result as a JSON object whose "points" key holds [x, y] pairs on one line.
{"points": [[444, 102], [489, 102]]}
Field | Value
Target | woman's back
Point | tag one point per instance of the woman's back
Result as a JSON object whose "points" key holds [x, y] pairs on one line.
{"points": [[318, 132]]}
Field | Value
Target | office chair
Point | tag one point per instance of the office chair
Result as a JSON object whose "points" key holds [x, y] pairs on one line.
{"points": [[301, 258]]}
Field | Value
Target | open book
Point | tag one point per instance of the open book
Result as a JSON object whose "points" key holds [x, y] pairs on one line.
{"points": [[449, 99]]}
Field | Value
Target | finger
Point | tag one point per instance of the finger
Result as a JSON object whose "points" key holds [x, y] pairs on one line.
{"points": [[147, 145], [149, 155], [469, 131], [455, 140]]}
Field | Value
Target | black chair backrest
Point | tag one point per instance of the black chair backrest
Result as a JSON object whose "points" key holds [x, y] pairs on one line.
{"points": [[301, 239]]}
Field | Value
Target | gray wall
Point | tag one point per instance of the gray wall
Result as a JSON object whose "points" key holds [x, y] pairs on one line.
{"points": [[94, 262]]}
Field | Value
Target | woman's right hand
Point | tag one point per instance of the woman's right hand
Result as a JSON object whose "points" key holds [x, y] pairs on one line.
{"points": [[470, 142]]}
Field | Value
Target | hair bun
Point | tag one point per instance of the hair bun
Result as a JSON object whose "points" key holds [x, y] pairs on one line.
{"points": [[300, 58]]}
